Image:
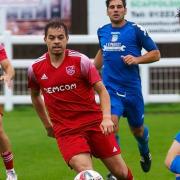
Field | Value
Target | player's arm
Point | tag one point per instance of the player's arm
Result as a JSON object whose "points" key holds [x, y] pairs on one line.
{"points": [[146, 42], [173, 151], [8, 72], [39, 105], [149, 57], [107, 126], [172, 160], [98, 60]]}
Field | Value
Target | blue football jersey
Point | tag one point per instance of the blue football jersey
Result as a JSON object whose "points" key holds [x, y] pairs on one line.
{"points": [[116, 42], [178, 137]]}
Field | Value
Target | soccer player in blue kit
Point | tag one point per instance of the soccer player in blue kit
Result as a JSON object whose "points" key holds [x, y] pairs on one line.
{"points": [[173, 157], [121, 42]]}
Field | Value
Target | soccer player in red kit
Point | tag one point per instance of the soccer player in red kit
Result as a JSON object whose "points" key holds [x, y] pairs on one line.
{"points": [[67, 80], [5, 147]]}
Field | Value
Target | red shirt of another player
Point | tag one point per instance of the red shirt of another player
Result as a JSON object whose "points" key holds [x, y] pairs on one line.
{"points": [[67, 91], [2, 53]]}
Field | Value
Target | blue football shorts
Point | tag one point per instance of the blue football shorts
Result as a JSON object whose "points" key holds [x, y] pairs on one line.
{"points": [[128, 105]]}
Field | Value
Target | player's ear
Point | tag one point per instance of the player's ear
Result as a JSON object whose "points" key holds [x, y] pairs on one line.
{"points": [[44, 39], [107, 12], [67, 37], [125, 11]]}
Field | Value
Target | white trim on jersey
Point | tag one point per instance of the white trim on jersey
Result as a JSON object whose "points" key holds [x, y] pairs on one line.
{"points": [[42, 58], [75, 53]]}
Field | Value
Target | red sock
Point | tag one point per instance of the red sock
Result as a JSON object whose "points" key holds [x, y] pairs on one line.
{"points": [[8, 160], [129, 176]]}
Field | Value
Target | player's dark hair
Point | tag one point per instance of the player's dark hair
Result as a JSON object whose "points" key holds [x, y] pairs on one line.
{"points": [[55, 23], [108, 2]]}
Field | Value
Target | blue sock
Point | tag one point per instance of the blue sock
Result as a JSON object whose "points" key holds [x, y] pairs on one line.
{"points": [[178, 178], [175, 165], [117, 139], [143, 142]]}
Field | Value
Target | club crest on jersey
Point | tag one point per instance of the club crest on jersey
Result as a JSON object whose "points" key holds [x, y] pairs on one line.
{"points": [[70, 70], [114, 37]]}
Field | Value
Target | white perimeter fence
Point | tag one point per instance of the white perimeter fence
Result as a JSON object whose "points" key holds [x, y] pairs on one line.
{"points": [[160, 80]]}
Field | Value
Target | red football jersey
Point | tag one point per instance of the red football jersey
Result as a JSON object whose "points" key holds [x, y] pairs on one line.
{"points": [[68, 91], [2, 53]]}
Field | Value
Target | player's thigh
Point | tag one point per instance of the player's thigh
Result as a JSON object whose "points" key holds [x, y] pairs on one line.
{"points": [[174, 150], [72, 145], [117, 106], [103, 146], [135, 111]]}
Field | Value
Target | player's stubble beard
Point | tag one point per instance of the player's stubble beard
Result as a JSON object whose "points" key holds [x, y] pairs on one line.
{"points": [[118, 22], [57, 53]]}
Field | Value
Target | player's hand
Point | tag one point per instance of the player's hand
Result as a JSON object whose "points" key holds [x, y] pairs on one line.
{"points": [[129, 59], [7, 80], [107, 126], [50, 131]]}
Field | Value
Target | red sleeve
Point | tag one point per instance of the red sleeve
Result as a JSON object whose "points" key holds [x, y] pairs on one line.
{"points": [[32, 82], [89, 71], [3, 54]]}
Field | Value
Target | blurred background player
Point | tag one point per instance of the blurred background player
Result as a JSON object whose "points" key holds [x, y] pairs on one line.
{"points": [[173, 157], [121, 43], [5, 147], [67, 80]]}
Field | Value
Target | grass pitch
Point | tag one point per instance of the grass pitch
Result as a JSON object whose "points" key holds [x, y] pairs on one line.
{"points": [[37, 156]]}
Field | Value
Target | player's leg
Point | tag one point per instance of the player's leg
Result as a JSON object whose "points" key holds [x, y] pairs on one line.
{"points": [[173, 156], [142, 136], [81, 162], [75, 151], [116, 112], [118, 168], [107, 149], [6, 152], [117, 109], [135, 116]]}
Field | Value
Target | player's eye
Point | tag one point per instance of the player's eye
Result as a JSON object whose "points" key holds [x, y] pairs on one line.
{"points": [[51, 37], [111, 7], [119, 6], [61, 37]]}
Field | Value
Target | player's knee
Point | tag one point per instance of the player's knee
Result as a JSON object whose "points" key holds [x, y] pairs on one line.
{"points": [[138, 132], [79, 166]]}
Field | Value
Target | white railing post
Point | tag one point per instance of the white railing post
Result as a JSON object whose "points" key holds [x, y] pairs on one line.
{"points": [[8, 93], [144, 72]]}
